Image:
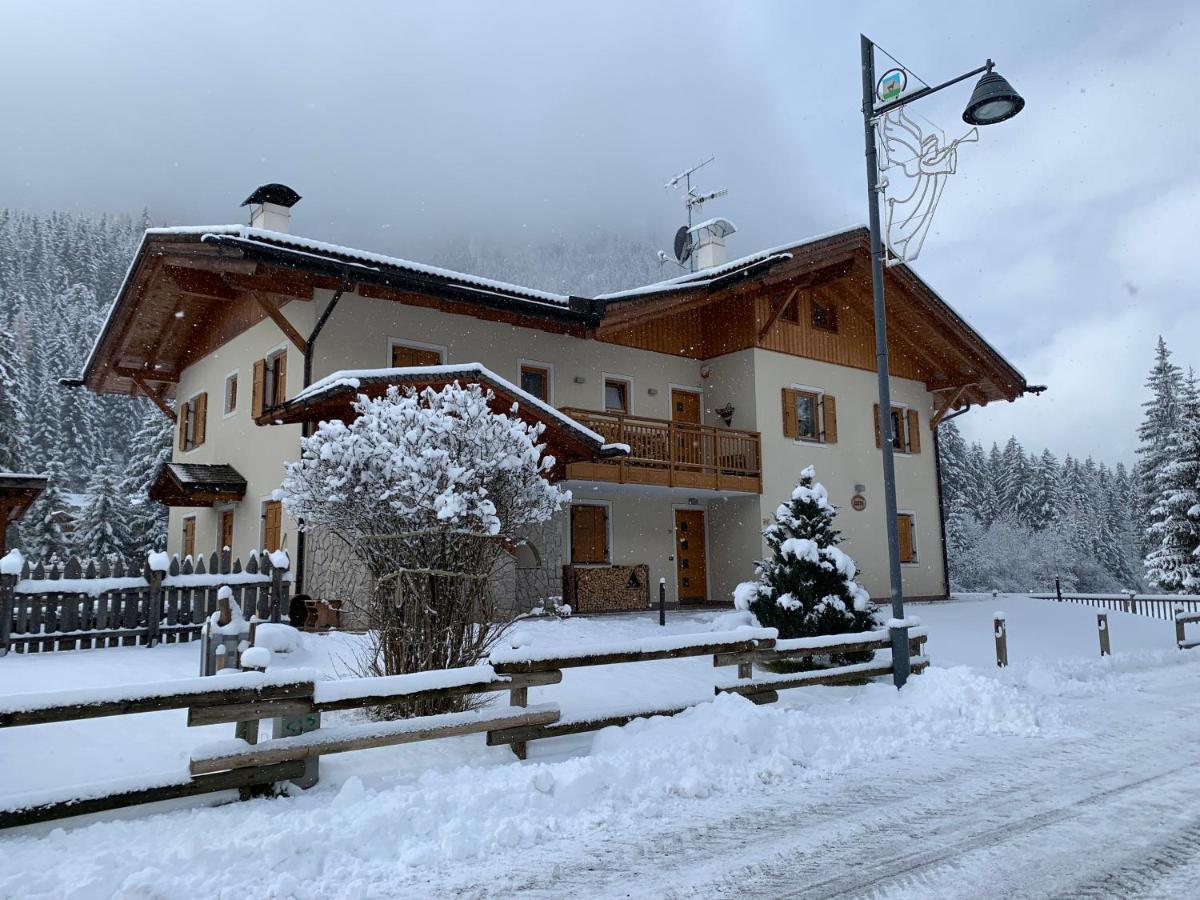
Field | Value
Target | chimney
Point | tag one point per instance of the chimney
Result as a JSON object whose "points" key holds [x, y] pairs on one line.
{"points": [[271, 207], [708, 239]]}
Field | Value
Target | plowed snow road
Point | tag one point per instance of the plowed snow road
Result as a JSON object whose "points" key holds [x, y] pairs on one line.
{"points": [[1107, 804]]}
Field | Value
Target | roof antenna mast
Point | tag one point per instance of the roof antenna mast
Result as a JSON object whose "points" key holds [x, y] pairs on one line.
{"points": [[684, 240]]}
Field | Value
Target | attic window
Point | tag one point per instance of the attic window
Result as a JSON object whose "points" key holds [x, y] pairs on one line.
{"points": [[791, 312], [824, 316]]}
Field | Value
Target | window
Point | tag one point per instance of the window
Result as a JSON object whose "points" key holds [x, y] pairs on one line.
{"points": [[187, 546], [193, 417], [231, 384], [905, 429], [906, 528], [272, 527], [809, 414], [270, 382], [824, 315], [408, 355], [535, 380], [589, 534], [225, 529], [616, 395], [791, 311]]}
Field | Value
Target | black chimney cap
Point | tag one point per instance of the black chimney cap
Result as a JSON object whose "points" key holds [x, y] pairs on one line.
{"points": [[279, 194]]}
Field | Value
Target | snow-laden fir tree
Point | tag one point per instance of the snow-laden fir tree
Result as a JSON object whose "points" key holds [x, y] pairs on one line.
{"points": [[807, 586], [1159, 420], [1174, 531], [102, 531], [12, 420], [149, 451], [426, 491], [41, 533]]}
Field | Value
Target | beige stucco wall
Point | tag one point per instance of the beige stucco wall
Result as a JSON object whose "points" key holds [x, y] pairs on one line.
{"points": [[359, 333], [257, 452], [854, 459]]}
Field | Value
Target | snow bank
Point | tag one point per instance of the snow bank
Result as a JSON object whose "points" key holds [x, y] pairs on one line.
{"points": [[403, 830], [277, 637]]}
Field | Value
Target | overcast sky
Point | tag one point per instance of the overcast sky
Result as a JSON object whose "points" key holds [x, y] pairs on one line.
{"points": [[1067, 238]]}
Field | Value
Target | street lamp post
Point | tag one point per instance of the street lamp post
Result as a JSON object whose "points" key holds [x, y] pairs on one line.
{"points": [[993, 100]]}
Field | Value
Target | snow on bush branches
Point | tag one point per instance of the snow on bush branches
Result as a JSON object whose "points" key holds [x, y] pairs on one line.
{"points": [[427, 459], [808, 587]]}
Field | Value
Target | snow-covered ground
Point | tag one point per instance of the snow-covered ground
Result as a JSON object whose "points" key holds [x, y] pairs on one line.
{"points": [[816, 792]]}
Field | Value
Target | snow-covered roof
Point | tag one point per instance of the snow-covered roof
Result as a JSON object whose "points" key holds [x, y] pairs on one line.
{"points": [[363, 257], [354, 378], [706, 276]]}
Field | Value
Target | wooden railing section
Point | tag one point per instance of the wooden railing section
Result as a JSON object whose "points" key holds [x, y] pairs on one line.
{"points": [[1156, 606], [675, 454], [248, 697]]}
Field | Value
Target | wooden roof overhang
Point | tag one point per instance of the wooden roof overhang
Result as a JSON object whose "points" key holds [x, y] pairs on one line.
{"points": [[953, 358], [333, 398], [17, 493], [190, 290], [196, 484]]}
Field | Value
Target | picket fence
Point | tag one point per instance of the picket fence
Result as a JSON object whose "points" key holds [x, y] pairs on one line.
{"points": [[1156, 606], [77, 607]]}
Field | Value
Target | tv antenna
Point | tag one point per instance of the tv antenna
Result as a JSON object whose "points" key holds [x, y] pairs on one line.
{"points": [[691, 200]]}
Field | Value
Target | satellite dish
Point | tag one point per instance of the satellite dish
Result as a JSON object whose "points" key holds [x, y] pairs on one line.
{"points": [[683, 244]]}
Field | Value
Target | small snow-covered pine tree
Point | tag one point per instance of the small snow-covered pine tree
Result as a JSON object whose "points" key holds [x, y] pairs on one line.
{"points": [[12, 451], [807, 587], [1158, 423], [103, 528]]}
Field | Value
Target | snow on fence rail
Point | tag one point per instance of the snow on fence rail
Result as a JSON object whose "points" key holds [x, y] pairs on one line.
{"points": [[248, 697], [78, 607]]}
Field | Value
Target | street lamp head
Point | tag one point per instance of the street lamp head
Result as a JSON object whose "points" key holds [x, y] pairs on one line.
{"points": [[992, 101]]}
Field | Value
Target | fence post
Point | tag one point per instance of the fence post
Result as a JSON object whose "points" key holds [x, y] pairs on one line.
{"points": [[7, 583], [276, 589], [662, 601], [1001, 630], [1058, 588], [1102, 627], [154, 608], [519, 697], [1180, 634]]}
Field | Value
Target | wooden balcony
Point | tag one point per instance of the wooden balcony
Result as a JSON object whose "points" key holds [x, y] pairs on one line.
{"points": [[672, 454]]}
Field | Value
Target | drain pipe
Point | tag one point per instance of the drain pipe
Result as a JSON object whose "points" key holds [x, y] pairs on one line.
{"points": [[306, 428]]}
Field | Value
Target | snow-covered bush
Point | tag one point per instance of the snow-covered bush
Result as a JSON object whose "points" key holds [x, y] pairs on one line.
{"points": [[807, 588], [427, 490]]}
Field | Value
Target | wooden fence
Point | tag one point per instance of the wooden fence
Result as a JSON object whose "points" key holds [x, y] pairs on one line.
{"points": [[79, 608], [1156, 606], [248, 697]]}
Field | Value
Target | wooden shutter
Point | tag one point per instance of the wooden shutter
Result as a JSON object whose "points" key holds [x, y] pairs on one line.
{"points": [[272, 524], [260, 376], [914, 431], [183, 425], [201, 413], [280, 379], [189, 536], [589, 534], [404, 357], [791, 422], [878, 428], [829, 418], [904, 527]]}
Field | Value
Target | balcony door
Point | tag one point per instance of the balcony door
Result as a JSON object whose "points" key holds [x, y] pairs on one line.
{"points": [[689, 442], [691, 561]]}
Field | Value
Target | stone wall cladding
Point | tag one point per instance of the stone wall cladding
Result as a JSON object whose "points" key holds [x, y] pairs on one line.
{"points": [[607, 588]]}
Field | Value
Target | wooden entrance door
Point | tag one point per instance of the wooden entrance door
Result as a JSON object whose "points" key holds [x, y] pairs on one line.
{"points": [[691, 562]]}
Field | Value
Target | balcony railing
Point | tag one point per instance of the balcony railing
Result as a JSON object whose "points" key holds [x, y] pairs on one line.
{"points": [[674, 454]]}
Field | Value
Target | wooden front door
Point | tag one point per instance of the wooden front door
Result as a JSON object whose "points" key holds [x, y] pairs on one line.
{"points": [[685, 407], [691, 563], [405, 357], [272, 525]]}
